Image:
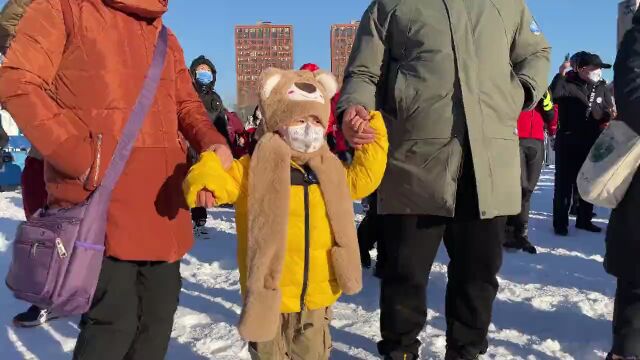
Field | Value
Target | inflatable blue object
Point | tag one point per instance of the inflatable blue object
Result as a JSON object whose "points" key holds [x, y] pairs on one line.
{"points": [[10, 173], [12, 162], [19, 158], [18, 143]]}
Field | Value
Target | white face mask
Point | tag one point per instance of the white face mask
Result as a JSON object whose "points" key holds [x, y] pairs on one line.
{"points": [[595, 76], [304, 138]]}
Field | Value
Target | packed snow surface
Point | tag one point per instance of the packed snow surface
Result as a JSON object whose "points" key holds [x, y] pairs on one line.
{"points": [[554, 305]]}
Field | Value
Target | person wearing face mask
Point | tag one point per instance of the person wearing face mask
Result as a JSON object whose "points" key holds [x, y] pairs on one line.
{"points": [[298, 249], [335, 138], [204, 76], [585, 107], [568, 68]]}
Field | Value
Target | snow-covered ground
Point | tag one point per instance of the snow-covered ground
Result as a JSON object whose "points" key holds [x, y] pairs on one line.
{"points": [[554, 305]]}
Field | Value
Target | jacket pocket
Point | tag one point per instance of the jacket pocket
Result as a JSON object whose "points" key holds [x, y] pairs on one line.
{"points": [[517, 93], [505, 175], [399, 94]]}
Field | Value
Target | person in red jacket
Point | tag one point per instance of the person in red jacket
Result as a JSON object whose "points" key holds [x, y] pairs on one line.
{"points": [[238, 135], [531, 130]]}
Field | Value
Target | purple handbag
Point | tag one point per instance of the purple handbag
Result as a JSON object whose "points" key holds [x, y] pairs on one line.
{"points": [[58, 253]]}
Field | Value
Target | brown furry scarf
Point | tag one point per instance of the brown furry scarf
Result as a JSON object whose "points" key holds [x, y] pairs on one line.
{"points": [[269, 199]]}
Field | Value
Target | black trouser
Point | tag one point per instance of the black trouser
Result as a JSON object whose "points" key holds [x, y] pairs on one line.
{"points": [[531, 161], [369, 230], [198, 215], [407, 251], [571, 152], [626, 320], [132, 312]]}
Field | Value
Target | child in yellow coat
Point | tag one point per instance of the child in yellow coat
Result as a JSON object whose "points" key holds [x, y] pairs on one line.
{"points": [[298, 249]]}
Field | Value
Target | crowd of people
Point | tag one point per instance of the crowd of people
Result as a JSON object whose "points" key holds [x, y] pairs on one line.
{"points": [[439, 150]]}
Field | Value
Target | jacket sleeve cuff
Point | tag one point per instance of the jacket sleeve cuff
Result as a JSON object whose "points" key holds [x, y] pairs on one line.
{"points": [[529, 95], [73, 157]]}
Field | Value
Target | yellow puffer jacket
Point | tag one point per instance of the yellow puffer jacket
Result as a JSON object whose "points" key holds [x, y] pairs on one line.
{"points": [[321, 288]]}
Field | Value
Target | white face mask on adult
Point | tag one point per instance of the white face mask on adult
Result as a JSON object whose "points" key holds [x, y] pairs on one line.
{"points": [[305, 138], [595, 76]]}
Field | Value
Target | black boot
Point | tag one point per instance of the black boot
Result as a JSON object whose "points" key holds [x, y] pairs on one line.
{"points": [[520, 240], [199, 227], [589, 226], [561, 231], [401, 356], [452, 355]]}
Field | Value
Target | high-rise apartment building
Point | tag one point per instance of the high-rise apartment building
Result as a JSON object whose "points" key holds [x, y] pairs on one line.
{"points": [[626, 9], [342, 39], [259, 47]]}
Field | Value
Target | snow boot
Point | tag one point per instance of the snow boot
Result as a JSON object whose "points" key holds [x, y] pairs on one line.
{"points": [[520, 241], [401, 356], [590, 227], [455, 353], [199, 228], [452, 355], [33, 317], [561, 231]]}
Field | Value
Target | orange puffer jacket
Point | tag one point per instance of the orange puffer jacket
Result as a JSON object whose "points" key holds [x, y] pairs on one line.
{"points": [[73, 70]]}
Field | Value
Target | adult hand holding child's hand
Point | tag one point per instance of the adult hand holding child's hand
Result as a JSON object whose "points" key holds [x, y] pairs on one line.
{"points": [[204, 179], [206, 199], [355, 126]]}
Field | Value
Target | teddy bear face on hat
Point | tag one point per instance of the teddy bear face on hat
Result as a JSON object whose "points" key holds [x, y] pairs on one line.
{"points": [[287, 97]]}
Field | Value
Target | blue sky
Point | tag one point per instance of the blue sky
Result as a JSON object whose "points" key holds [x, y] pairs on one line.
{"points": [[206, 27]]}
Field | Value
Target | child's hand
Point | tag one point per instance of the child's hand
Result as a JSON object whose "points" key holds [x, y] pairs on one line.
{"points": [[355, 127], [360, 125], [207, 176], [206, 199]]}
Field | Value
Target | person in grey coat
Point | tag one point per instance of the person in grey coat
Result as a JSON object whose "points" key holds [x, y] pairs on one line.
{"points": [[623, 234], [450, 78]]}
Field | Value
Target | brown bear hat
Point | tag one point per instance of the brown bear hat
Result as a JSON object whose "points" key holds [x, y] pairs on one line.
{"points": [[286, 96]]}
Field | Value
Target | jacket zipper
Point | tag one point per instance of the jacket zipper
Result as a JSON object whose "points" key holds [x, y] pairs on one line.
{"points": [[98, 157], [532, 119], [307, 240]]}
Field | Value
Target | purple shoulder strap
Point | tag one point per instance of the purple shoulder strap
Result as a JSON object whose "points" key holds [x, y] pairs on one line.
{"points": [[136, 119]]}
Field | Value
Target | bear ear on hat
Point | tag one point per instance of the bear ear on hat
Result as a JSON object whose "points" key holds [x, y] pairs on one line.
{"points": [[269, 79], [328, 82]]}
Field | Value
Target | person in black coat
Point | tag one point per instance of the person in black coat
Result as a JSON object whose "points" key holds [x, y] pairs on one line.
{"points": [[204, 74], [585, 108], [623, 233]]}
